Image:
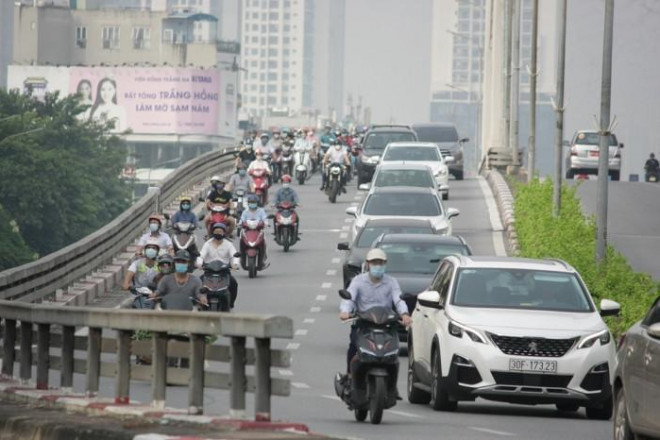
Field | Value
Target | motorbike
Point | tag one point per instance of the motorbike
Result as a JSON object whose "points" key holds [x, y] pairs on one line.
{"points": [[252, 246], [302, 166], [141, 297], [183, 237], [333, 183], [375, 369], [215, 285], [286, 225], [276, 164], [260, 179], [355, 157], [653, 176], [219, 214], [287, 159], [241, 201]]}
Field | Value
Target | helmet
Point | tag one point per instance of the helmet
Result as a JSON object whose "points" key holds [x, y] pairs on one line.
{"points": [[253, 198], [155, 217], [182, 254], [165, 259], [185, 199], [152, 243], [264, 135], [217, 178], [241, 166], [248, 141], [376, 254], [219, 225], [336, 141], [652, 156], [286, 178]]}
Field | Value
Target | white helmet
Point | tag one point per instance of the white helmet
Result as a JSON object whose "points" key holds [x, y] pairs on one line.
{"points": [[376, 254], [216, 178]]}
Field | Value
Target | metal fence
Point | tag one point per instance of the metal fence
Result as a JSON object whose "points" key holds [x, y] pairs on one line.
{"points": [[56, 345]]}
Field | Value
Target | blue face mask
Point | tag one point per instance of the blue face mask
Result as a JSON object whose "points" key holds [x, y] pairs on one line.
{"points": [[181, 267], [154, 227], [252, 205], [377, 271], [185, 206], [151, 253], [242, 173]]}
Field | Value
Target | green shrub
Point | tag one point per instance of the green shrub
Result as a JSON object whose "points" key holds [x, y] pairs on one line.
{"points": [[572, 238]]}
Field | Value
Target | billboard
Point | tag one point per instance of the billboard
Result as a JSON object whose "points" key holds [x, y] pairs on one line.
{"points": [[146, 100]]}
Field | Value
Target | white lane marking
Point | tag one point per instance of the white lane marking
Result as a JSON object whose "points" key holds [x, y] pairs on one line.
{"points": [[326, 285], [348, 220], [357, 197], [331, 272], [494, 216], [292, 346], [301, 332], [285, 372], [315, 309], [336, 260], [405, 414], [491, 431], [327, 396], [321, 297], [343, 235], [300, 385], [309, 321], [346, 228]]}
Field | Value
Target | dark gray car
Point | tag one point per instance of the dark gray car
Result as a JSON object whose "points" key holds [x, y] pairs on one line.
{"points": [[637, 379], [445, 136]]}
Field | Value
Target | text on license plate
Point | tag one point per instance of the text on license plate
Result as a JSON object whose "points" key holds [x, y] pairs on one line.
{"points": [[532, 365], [594, 153]]}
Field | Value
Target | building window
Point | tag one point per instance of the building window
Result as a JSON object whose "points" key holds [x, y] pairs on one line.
{"points": [[110, 37], [81, 37], [141, 38], [272, 64], [272, 40]]}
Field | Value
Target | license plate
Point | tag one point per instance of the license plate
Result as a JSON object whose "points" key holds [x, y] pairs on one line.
{"points": [[532, 365], [594, 153]]}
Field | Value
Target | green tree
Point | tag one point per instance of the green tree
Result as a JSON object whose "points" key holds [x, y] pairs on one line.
{"points": [[59, 174], [14, 250]]}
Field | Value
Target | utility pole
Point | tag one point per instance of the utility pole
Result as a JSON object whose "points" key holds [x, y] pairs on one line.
{"points": [[507, 71], [515, 82], [559, 108], [533, 73], [603, 156]]}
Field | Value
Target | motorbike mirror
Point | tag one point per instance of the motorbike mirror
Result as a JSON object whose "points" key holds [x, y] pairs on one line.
{"points": [[201, 199], [343, 246], [464, 140], [271, 216], [201, 217], [167, 216], [345, 294], [237, 255], [621, 145]]}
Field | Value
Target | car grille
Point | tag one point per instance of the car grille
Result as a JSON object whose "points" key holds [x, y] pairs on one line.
{"points": [[535, 347], [531, 379]]}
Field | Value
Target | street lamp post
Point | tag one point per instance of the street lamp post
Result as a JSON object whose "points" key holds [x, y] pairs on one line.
{"points": [[559, 109]]}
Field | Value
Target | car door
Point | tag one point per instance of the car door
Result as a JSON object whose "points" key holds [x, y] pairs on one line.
{"points": [[434, 318], [421, 329], [650, 371]]}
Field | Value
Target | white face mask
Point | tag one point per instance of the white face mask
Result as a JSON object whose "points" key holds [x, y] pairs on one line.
{"points": [[337, 147], [286, 185]]}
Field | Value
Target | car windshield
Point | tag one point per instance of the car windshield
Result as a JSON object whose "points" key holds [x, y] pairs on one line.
{"points": [[436, 134], [520, 289], [419, 178], [418, 258], [593, 139], [378, 141], [371, 233], [404, 204], [412, 153]]}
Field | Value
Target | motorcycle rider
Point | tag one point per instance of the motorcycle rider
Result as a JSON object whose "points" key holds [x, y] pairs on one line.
{"points": [[185, 214], [176, 289], [165, 266], [370, 289], [262, 142], [164, 241], [652, 166], [241, 180], [254, 212], [217, 248], [326, 137], [247, 153], [220, 196], [260, 164], [142, 271], [287, 194], [336, 154]]}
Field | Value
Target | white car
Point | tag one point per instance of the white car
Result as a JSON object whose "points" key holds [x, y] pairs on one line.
{"points": [[402, 174], [513, 330], [404, 201], [425, 153]]}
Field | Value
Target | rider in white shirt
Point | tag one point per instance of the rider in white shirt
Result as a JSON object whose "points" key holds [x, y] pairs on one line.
{"points": [[336, 154]]}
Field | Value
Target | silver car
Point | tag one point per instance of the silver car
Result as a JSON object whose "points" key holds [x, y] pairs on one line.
{"points": [[637, 379], [584, 152], [404, 201], [402, 174]]}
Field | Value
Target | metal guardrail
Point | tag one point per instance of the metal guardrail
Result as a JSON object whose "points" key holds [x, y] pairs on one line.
{"points": [[500, 158], [163, 325], [40, 279]]}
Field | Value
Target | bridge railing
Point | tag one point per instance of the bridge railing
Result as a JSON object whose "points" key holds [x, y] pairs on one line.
{"points": [[40, 279], [57, 343]]}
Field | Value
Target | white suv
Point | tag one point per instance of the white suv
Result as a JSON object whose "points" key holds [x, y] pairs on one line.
{"points": [[513, 330]]}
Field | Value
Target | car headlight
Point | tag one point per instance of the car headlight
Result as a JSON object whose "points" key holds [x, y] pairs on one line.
{"points": [[457, 330], [588, 341]]}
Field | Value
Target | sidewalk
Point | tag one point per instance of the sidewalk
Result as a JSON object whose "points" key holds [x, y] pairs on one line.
{"points": [[26, 412]]}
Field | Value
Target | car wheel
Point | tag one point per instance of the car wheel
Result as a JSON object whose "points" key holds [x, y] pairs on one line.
{"points": [[445, 196], [603, 412], [459, 175], [439, 395], [567, 407], [622, 429], [415, 395]]}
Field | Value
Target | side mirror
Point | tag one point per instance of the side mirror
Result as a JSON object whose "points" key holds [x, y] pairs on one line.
{"points": [[200, 217], [237, 255], [343, 246], [429, 298], [364, 187], [621, 145], [609, 308], [463, 140], [566, 143], [654, 331], [345, 294], [351, 211], [450, 159], [201, 199], [452, 212], [271, 216], [167, 216]]}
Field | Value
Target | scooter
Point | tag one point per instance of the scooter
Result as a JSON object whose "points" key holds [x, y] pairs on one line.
{"points": [[219, 214], [183, 237], [276, 164], [260, 179], [241, 201], [141, 298], [333, 184], [375, 367], [286, 225], [287, 158], [252, 246], [215, 285], [302, 166], [653, 176]]}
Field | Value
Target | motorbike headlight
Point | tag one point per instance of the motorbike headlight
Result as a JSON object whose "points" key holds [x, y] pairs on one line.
{"points": [[457, 330], [588, 341], [364, 350]]}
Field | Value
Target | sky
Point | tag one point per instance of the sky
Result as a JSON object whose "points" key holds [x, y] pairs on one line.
{"points": [[387, 61]]}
